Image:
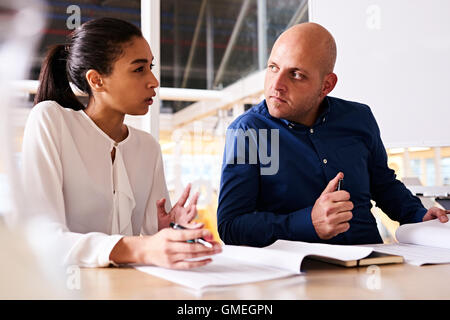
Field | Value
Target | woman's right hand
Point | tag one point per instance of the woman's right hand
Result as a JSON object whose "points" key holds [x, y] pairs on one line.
{"points": [[167, 248]]}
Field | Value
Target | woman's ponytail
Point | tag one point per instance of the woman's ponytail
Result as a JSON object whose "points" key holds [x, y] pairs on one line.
{"points": [[53, 80]]}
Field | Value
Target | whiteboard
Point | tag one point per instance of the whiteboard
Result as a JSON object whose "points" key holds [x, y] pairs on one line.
{"points": [[394, 55]]}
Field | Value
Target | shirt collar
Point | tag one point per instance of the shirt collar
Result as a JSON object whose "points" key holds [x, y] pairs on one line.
{"points": [[324, 106]]}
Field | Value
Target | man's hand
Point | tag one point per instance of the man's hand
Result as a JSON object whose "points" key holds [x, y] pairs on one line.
{"points": [[332, 211], [436, 213]]}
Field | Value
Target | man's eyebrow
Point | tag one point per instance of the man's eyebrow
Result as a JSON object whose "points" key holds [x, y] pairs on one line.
{"points": [[300, 69]]}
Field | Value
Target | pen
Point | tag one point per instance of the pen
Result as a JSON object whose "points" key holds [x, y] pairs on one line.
{"points": [[199, 240], [340, 184]]}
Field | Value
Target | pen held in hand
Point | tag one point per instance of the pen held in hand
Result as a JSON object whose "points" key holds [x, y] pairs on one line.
{"points": [[199, 240], [340, 184], [203, 242]]}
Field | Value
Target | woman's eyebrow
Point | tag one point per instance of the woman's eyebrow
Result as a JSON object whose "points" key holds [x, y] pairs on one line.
{"points": [[139, 61]]}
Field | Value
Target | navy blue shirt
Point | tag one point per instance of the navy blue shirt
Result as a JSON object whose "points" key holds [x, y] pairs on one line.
{"points": [[258, 207]]}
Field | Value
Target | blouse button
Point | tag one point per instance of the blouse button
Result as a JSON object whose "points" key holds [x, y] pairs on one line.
{"points": [[325, 161]]}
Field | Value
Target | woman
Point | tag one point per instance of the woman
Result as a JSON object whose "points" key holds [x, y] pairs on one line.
{"points": [[98, 181]]}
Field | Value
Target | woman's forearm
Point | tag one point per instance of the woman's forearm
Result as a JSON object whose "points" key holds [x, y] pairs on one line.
{"points": [[125, 251]]}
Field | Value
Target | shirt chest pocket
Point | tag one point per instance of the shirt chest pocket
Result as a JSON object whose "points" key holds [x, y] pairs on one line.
{"points": [[352, 160]]}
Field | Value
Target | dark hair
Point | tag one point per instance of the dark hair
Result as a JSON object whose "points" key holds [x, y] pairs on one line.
{"points": [[96, 44]]}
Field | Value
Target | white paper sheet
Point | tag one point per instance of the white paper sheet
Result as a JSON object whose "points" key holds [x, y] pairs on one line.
{"points": [[415, 254], [281, 259], [222, 271], [432, 233], [421, 243], [340, 252]]}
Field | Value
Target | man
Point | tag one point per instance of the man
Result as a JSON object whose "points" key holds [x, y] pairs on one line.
{"points": [[314, 141]]}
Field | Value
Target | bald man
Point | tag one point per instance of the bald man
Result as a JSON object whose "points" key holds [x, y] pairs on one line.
{"points": [[286, 159]]}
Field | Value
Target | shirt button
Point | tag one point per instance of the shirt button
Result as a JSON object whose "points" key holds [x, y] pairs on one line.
{"points": [[323, 120], [325, 161], [311, 130]]}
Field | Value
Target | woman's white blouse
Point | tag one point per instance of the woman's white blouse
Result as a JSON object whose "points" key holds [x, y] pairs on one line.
{"points": [[90, 201]]}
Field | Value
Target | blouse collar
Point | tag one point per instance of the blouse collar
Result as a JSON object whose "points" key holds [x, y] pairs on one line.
{"points": [[94, 125]]}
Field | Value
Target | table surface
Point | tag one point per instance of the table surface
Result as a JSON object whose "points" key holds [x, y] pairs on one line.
{"points": [[319, 280]]}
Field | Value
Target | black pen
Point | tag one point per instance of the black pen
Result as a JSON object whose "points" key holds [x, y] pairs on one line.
{"points": [[199, 240], [340, 184]]}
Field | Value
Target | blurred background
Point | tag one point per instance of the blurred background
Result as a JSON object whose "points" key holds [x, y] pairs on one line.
{"points": [[28, 269]]}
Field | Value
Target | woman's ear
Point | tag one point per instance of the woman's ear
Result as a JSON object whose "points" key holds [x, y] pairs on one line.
{"points": [[95, 80]]}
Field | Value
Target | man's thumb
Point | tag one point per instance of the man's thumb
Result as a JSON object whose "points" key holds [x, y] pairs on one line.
{"points": [[332, 185]]}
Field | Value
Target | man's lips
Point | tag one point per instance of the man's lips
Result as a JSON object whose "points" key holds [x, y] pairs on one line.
{"points": [[277, 99]]}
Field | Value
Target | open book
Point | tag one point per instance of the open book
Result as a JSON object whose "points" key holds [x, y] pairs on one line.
{"points": [[241, 264], [420, 243]]}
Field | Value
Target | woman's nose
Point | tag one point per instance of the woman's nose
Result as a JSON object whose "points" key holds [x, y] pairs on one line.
{"points": [[153, 82]]}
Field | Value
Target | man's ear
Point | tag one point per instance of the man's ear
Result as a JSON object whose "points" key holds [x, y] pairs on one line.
{"points": [[95, 80], [329, 82]]}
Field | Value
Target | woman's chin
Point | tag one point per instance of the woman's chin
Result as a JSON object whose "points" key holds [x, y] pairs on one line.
{"points": [[139, 112]]}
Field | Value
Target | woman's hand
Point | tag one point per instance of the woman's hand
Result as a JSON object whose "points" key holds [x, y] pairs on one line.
{"points": [[179, 214], [167, 248]]}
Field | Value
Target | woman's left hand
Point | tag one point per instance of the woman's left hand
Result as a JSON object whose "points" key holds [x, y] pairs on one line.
{"points": [[179, 214]]}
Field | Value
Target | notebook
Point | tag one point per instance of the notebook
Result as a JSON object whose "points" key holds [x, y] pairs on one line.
{"points": [[373, 258]]}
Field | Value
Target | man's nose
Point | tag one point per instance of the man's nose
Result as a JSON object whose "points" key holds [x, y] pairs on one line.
{"points": [[278, 82]]}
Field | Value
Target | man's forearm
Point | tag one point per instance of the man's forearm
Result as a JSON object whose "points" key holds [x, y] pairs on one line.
{"points": [[398, 202], [263, 228]]}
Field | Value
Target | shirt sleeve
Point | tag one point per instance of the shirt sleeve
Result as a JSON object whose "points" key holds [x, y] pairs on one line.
{"points": [[157, 192], [238, 218], [43, 188], [390, 194]]}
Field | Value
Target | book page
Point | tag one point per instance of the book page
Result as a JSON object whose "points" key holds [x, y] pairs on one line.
{"points": [[415, 254], [340, 252], [222, 271], [281, 259], [432, 233]]}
